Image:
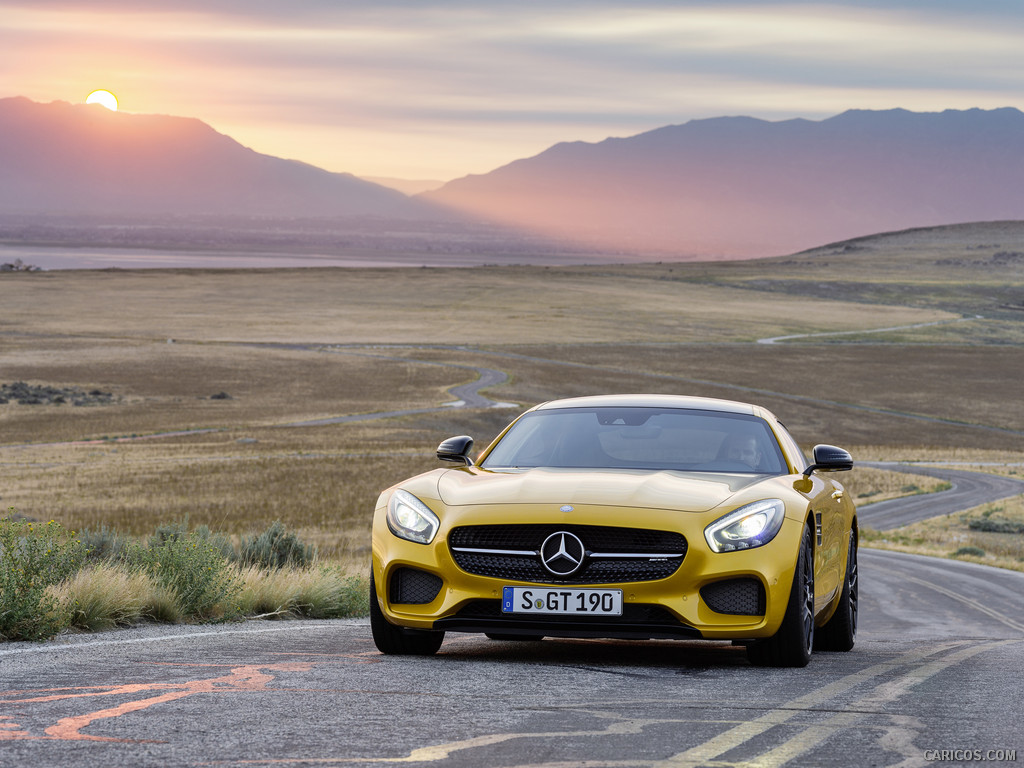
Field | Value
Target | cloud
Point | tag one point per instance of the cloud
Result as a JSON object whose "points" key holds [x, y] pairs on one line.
{"points": [[450, 87]]}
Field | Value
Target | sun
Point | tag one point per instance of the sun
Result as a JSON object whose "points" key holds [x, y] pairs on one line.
{"points": [[104, 98]]}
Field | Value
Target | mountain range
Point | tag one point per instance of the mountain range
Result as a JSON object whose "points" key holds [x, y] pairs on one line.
{"points": [[722, 187], [741, 186], [74, 159]]}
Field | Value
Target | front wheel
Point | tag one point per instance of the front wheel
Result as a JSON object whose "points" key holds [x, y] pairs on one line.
{"points": [[840, 632], [792, 645], [399, 641]]}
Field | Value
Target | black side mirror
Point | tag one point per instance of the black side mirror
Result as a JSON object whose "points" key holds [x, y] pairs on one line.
{"points": [[456, 449], [830, 459]]}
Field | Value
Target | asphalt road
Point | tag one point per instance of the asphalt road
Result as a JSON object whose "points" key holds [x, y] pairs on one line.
{"points": [[936, 673], [969, 489]]}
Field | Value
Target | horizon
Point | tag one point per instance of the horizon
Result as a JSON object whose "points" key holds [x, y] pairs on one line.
{"points": [[398, 90]]}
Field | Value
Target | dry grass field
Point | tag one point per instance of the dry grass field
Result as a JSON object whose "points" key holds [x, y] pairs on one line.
{"points": [[287, 346]]}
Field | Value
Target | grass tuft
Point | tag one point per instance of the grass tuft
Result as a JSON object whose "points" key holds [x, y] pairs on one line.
{"points": [[318, 593], [104, 596]]}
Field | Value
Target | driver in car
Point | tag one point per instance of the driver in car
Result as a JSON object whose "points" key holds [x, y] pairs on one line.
{"points": [[744, 449]]}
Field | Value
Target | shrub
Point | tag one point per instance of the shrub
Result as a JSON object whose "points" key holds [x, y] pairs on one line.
{"points": [[33, 557], [193, 568], [103, 544], [970, 552], [178, 531], [989, 525], [276, 547]]}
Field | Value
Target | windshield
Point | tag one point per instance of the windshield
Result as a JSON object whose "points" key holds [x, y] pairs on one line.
{"points": [[639, 438]]}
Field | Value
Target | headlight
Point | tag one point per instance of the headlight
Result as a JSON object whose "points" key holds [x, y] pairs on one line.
{"points": [[411, 519], [747, 527]]}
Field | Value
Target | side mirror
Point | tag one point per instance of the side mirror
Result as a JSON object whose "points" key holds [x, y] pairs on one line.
{"points": [[456, 449], [830, 459]]}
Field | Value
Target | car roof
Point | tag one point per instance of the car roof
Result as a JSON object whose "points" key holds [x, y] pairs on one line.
{"points": [[654, 401]]}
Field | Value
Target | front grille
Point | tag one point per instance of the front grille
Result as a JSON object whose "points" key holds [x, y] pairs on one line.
{"points": [[740, 597], [412, 586], [613, 555]]}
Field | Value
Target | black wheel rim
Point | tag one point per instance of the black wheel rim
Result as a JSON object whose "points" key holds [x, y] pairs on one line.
{"points": [[808, 601]]}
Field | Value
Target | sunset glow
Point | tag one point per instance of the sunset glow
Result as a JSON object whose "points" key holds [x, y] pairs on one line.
{"points": [[444, 89]]}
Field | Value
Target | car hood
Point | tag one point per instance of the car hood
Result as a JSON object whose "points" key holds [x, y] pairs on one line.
{"points": [[686, 491]]}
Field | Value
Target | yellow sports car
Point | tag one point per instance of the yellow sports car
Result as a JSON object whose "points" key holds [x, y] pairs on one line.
{"points": [[623, 516]]}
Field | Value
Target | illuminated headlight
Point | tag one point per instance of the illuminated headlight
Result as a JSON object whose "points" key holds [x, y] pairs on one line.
{"points": [[411, 519], [747, 527]]}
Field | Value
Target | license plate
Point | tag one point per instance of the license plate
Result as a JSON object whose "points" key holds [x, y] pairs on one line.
{"points": [[591, 602]]}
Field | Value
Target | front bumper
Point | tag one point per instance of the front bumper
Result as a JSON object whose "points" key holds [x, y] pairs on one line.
{"points": [[732, 595]]}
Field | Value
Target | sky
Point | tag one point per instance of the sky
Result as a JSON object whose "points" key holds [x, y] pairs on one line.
{"points": [[438, 89]]}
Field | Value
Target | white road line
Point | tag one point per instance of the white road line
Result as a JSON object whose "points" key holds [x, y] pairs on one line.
{"points": [[55, 646]]}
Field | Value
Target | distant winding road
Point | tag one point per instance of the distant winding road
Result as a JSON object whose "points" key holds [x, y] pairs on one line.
{"points": [[970, 489], [466, 395]]}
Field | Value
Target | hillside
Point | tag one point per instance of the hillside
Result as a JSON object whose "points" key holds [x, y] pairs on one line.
{"points": [[737, 186], [74, 159]]}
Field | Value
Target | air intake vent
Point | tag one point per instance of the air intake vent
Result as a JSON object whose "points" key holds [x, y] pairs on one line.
{"points": [[739, 597], [413, 587]]}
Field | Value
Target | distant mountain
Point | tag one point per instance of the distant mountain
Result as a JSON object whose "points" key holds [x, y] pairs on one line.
{"points": [[73, 159], [736, 186]]}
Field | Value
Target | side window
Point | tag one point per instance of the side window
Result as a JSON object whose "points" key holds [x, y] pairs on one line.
{"points": [[791, 447]]}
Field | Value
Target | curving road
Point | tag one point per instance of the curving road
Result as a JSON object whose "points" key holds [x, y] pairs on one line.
{"points": [[935, 671], [777, 339], [969, 489], [466, 395]]}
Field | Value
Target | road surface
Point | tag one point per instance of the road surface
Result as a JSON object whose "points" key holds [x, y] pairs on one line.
{"points": [[935, 675]]}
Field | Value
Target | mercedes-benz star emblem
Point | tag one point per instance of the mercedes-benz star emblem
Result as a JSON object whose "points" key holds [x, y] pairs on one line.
{"points": [[562, 553]]}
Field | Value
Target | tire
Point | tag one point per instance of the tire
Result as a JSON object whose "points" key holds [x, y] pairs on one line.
{"points": [[399, 641], [512, 636], [840, 632], [793, 644]]}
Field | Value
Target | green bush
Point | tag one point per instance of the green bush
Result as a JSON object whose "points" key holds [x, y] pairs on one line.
{"points": [[50, 579], [276, 547], [103, 545], [194, 568], [970, 552], [989, 525], [176, 531], [34, 557]]}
